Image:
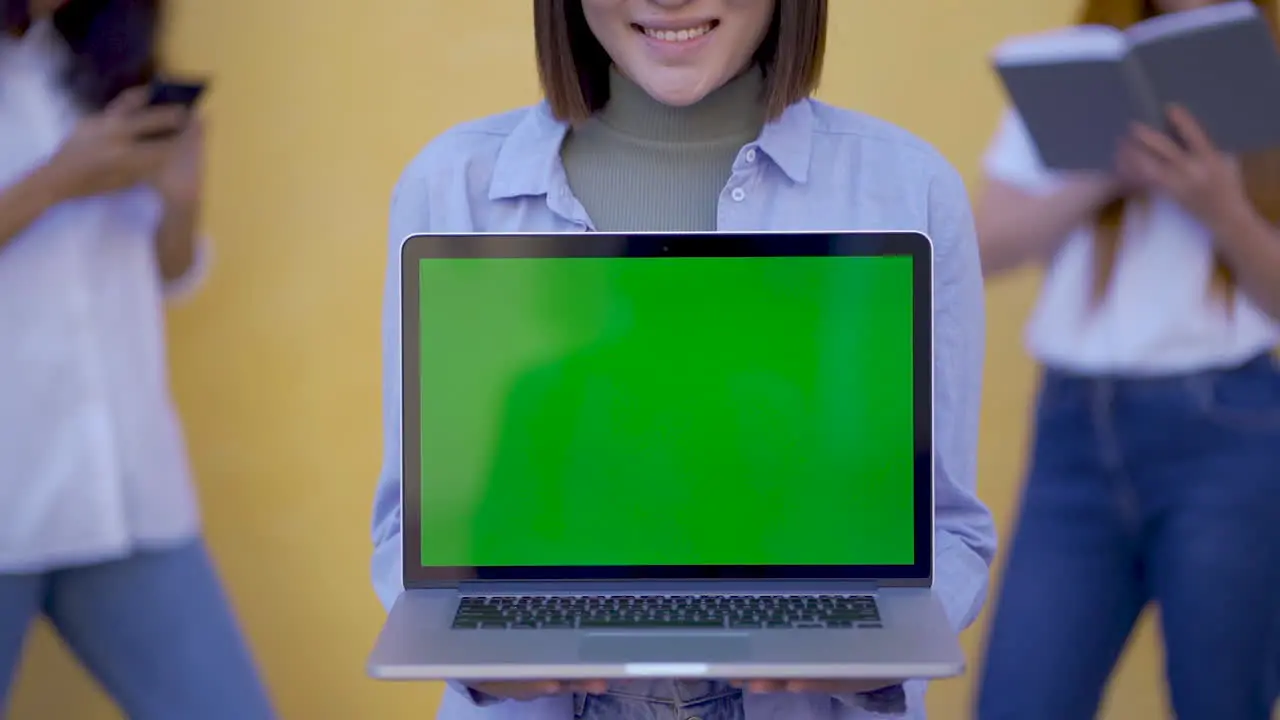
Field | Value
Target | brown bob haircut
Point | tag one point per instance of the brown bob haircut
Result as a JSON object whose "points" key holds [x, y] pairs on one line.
{"points": [[574, 67], [1261, 170]]}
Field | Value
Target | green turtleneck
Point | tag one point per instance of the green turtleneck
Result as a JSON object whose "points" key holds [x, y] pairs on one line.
{"points": [[640, 165]]}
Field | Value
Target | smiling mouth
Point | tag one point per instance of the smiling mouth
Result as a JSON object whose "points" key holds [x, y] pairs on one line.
{"points": [[679, 35]]}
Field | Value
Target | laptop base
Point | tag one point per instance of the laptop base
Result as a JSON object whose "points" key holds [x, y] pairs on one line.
{"points": [[420, 642]]}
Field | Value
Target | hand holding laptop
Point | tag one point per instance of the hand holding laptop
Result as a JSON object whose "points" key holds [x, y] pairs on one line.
{"points": [[814, 687], [534, 689], [822, 587]]}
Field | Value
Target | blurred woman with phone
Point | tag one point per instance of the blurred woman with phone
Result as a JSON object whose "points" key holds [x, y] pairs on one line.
{"points": [[99, 532], [1155, 470]]}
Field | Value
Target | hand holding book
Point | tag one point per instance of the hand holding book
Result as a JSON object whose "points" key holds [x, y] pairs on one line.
{"points": [[1080, 89], [1188, 168]]}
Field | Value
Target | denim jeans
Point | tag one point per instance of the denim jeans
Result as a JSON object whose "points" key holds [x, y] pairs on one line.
{"points": [[153, 628], [662, 700], [1163, 490]]}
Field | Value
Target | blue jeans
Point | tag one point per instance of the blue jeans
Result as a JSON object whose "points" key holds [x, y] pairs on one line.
{"points": [[1145, 490], [153, 628], [662, 700]]}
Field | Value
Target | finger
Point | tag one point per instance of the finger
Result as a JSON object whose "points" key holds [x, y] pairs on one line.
{"points": [[1126, 161], [765, 686], [835, 687], [549, 687], [591, 687], [1148, 170], [128, 102], [193, 134], [155, 121], [823, 687], [521, 690], [195, 127], [1159, 145], [1190, 131], [1136, 164]]}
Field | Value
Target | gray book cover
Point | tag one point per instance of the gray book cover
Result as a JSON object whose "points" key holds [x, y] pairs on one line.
{"points": [[1080, 89]]}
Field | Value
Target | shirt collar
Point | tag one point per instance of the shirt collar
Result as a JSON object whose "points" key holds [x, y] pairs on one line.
{"points": [[528, 162], [788, 141]]}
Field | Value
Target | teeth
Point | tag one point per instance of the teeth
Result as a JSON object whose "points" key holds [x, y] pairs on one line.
{"points": [[678, 35]]}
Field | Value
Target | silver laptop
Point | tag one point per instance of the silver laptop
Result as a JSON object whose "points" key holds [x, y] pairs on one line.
{"points": [[667, 455]]}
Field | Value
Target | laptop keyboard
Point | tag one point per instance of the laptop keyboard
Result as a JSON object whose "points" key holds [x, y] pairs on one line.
{"points": [[542, 612]]}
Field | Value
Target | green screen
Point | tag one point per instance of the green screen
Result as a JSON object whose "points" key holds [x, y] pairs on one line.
{"points": [[667, 411]]}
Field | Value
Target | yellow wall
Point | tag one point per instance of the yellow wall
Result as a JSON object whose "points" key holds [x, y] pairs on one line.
{"points": [[317, 106]]}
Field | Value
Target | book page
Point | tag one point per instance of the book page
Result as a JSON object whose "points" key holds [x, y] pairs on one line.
{"points": [[1082, 42], [1191, 21]]}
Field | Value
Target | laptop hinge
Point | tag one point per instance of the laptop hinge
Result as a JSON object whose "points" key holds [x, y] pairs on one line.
{"points": [[751, 587]]}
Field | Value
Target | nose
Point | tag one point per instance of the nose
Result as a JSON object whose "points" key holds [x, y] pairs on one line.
{"points": [[672, 4]]}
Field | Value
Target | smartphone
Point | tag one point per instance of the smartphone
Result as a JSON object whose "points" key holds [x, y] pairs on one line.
{"points": [[163, 93], [167, 92]]}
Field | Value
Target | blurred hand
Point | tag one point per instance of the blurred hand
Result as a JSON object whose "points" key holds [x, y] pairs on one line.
{"points": [[180, 178], [1129, 176], [1202, 179], [814, 687], [534, 689], [1096, 187], [108, 151]]}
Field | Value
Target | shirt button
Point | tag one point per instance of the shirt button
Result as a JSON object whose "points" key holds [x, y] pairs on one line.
{"points": [[751, 155], [738, 194]]}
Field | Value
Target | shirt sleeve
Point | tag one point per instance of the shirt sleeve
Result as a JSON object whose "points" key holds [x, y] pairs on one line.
{"points": [[1012, 158], [965, 537], [965, 540], [409, 214]]}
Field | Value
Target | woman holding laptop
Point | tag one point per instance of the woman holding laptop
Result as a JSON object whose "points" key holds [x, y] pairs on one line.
{"points": [[1153, 476], [695, 115], [99, 530]]}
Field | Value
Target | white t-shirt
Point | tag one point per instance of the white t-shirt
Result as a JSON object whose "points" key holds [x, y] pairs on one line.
{"points": [[1160, 315], [92, 458]]}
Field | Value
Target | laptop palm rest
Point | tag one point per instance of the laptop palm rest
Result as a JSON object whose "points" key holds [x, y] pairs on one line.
{"points": [[621, 647]]}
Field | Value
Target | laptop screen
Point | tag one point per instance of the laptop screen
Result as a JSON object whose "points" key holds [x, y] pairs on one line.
{"points": [[614, 411]]}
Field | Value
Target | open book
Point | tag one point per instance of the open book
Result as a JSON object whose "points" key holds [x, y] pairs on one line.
{"points": [[1080, 89]]}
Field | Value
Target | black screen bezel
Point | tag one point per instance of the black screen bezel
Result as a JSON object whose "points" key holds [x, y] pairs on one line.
{"points": [[915, 245]]}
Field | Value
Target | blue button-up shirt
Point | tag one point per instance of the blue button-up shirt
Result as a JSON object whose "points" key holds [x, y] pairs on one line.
{"points": [[815, 168]]}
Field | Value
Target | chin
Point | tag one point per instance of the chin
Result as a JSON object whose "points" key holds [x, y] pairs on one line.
{"points": [[682, 95], [679, 99]]}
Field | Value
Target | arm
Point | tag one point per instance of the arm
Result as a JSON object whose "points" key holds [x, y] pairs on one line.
{"points": [[176, 240], [1251, 246], [181, 255], [1016, 227], [1027, 212], [24, 202], [102, 155], [965, 538], [408, 215]]}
